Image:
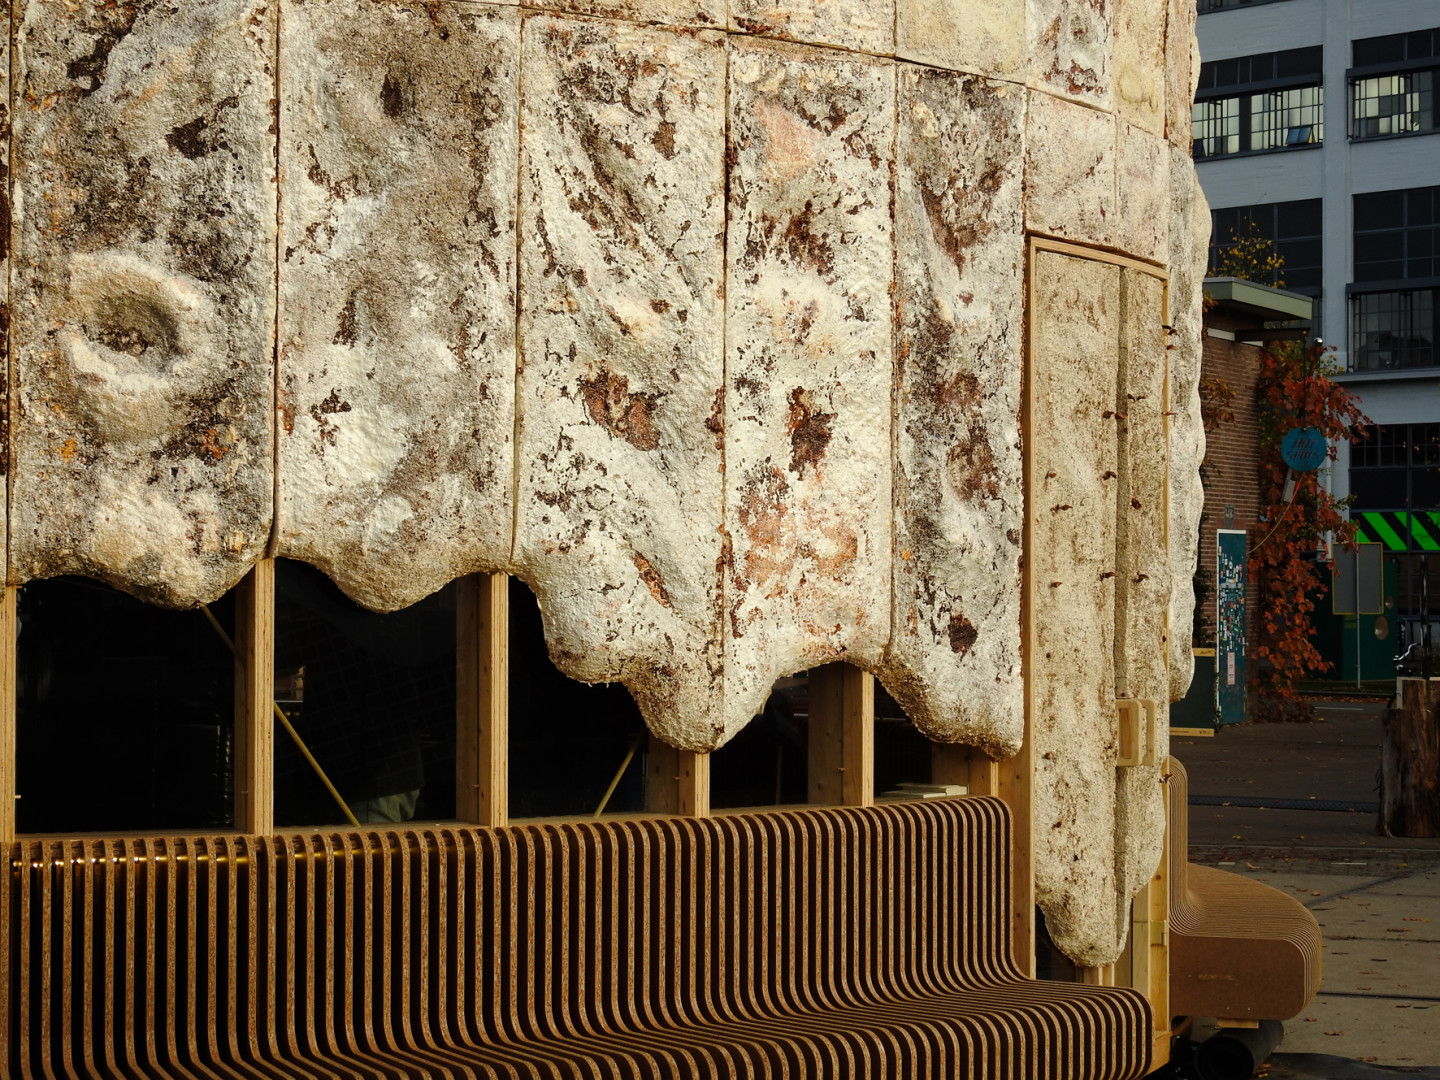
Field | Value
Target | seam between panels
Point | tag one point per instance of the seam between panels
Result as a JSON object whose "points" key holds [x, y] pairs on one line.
{"points": [[273, 545], [11, 399], [522, 23], [727, 551], [898, 485]]}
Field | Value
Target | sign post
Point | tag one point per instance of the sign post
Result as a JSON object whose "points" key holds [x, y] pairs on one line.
{"points": [[1230, 625]]}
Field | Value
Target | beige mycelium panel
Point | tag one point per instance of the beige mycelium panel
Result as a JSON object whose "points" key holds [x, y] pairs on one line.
{"points": [[398, 136], [1070, 171], [986, 37], [1189, 249], [620, 425], [953, 659], [6, 215], [1143, 203], [1071, 49], [1072, 518], [1142, 571], [143, 307], [1139, 72], [861, 25], [808, 365], [704, 14]]}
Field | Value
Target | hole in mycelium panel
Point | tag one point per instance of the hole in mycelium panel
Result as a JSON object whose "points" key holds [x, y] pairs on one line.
{"points": [[568, 740]]}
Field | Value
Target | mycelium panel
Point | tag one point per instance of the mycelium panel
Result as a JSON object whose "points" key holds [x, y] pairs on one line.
{"points": [[1070, 171], [982, 36], [953, 660], [1142, 571], [144, 293], [808, 365], [861, 25], [1139, 59], [620, 423], [1072, 49], [398, 137], [1072, 518], [1189, 252]]}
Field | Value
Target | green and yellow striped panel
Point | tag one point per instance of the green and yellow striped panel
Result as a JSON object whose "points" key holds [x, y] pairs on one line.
{"points": [[1399, 530]]}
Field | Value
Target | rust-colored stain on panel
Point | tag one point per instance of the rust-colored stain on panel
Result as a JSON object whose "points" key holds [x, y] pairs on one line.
{"points": [[808, 365]]}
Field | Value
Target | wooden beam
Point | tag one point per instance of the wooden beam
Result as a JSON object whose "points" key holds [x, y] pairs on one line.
{"points": [[482, 699], [9, 627], [694, 784], [842, 736], [676, 781], [255, 700]]}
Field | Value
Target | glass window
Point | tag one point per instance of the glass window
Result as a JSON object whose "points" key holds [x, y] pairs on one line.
{"points": [[1217, 127], [1392, 104], [371, 695], [568, 741], [125, 712], [1392, 330], [1396, 234], [1294, 228]]}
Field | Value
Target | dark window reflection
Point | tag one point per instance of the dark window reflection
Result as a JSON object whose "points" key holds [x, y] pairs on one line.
{"points": [[767, 763], [568, 739], [125, 712], [372, 695]]}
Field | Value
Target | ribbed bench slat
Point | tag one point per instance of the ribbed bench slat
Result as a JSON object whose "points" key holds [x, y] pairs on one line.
{"points": [[815, 943]]}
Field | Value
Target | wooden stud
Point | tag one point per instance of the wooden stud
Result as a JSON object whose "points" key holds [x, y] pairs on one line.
{"points": [[858, 771], [950, 764], [482, 699], [676, 781], [255, 700], [9, 626], [842, 736], [694, 782]]}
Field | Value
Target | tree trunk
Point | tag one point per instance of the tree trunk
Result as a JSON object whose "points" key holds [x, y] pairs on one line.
{"points": [[1410, 762]]}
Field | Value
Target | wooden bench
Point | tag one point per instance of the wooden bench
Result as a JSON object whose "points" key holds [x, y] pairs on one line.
{"points": [[1238, 948], [813, 943]]}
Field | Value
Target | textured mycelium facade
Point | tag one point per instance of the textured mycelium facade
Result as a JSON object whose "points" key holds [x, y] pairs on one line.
{"points": [[707, 320]]}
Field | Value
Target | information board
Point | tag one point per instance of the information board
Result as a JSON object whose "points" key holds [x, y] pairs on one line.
{"points": [[1230, 625]]}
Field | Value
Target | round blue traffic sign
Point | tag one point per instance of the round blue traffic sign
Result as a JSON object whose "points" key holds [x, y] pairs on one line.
{"points": [[1303, 449]]}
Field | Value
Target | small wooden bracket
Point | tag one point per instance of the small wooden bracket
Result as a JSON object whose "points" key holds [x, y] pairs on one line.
{"points": [[1137, 722]]}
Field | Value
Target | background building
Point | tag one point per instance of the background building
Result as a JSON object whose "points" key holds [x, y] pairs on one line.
{"points": [[1316, 126]]}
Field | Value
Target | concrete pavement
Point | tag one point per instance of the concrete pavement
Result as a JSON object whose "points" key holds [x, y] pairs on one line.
{"points": [[1377, 898]]}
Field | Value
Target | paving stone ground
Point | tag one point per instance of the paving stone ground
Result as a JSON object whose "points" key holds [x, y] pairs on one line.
{"points": [[1377, 898]]}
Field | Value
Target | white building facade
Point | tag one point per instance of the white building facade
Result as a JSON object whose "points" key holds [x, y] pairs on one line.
{"points": [[1316, 125]]}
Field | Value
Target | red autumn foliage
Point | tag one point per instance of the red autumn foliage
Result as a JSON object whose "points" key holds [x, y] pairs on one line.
{"points": [[1294, 391]]}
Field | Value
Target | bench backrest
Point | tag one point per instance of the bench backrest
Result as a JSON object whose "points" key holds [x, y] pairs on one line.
{"points": [[131, 952]]}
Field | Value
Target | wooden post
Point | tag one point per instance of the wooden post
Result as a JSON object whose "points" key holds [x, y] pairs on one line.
{"points": [[676, 781], [482, 699], [8, 732], [842, 736], [1410, 762], [255, 700]]}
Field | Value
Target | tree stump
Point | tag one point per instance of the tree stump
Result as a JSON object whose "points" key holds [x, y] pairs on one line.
{"points": [[1410, 762]]}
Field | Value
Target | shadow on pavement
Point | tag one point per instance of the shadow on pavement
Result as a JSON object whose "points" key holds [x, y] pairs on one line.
{"points": [[1329, 1067]]}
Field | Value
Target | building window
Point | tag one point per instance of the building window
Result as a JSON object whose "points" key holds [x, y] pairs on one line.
{"points": [[1270, 101], [1395, 481], [1293, 228], [1392, 86], [1208, 6], [1393, 330], [1397, 274]]}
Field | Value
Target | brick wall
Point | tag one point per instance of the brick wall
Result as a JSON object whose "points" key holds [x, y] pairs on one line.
{"points": [[1229, 472]]}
